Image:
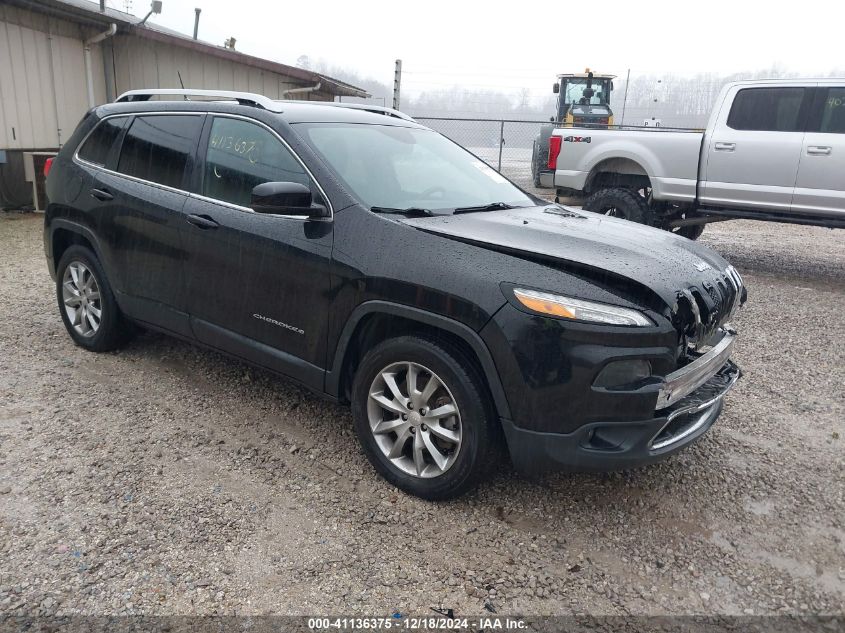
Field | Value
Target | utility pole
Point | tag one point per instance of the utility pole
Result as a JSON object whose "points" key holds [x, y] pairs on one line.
{"points": [[625, 100], [397, 83]]}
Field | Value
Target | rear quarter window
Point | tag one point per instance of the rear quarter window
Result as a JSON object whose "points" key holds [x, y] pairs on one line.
{"points": [[97, 145], [156, 148]]}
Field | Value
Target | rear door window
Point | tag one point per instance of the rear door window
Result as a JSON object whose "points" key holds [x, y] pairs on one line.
{"points": [[241, 155], [833, 111], [768, 109], [157, 148], [99, 143]]}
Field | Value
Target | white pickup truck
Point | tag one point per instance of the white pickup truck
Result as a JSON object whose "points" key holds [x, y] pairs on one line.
{"points": [[773, 150]]}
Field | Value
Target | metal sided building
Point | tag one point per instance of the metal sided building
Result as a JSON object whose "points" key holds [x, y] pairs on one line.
{"points": [[58, 58]]}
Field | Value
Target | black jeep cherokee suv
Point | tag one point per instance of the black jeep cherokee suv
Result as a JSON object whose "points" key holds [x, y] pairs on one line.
{"points": [[378, 263]]}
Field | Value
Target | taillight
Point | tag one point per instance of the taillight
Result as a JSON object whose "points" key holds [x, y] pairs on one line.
{"points": [[47, 165], [554, 150]]}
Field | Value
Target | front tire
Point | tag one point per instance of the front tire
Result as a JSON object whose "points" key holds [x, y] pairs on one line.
{"points": [[86, 302], [423, 417], [620, 203]]}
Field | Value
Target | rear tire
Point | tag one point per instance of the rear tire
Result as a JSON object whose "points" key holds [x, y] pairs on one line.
{"points": [[86, 302], [396, 421], [620, 203]]}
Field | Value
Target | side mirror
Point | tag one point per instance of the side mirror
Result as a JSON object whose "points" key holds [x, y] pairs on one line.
{"points": [[285, 198], [556, 88]]}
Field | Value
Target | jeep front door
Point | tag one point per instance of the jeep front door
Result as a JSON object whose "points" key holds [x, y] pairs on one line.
{"points": [[257, 285]]}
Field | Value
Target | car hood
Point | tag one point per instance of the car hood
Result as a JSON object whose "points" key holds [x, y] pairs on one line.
{"points": [[659, 260]]}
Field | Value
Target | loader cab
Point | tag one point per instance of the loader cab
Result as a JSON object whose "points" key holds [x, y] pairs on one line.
{"points": [[584, 100]]}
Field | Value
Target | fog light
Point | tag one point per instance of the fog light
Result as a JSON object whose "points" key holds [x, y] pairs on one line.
{"points": [[622, 372]]}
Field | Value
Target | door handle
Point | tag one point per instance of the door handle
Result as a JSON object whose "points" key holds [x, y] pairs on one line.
{"points": [[724, 147], [102, 194], [202, 221], [818, 150]]}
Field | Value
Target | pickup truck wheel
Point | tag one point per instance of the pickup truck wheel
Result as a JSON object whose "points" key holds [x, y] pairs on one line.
{"points": [[86, 302], [620, 203], [422, 418]]}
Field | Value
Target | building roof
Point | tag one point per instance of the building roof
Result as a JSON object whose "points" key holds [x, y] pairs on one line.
{"points": [[88, 12]]}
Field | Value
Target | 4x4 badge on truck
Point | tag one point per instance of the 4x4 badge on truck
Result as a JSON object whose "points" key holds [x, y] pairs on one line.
{"points": [[702, 266]]}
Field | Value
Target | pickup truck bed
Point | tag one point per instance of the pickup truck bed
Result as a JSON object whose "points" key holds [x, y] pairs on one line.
{"points": [[669, 155]]}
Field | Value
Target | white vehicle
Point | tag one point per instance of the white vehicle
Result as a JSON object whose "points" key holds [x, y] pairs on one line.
{"points": [[773, 150]]}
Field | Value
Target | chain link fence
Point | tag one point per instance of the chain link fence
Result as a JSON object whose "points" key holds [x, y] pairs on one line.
{"points": [[505, 145], [505, 141]]}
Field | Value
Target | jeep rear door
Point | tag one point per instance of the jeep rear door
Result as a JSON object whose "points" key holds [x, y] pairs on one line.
{"points": [[258, 285], [820, 187], [145, 195], [752, 152]]}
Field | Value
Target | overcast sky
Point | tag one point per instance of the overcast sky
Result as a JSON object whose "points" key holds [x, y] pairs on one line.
{"points": [[509, 45]]}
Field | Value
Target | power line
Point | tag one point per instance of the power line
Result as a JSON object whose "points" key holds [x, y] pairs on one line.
{"points": [[479, 85], [477, 74]]}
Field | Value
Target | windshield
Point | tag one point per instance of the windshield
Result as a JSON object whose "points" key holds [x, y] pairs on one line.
{"points": [[403, 167], [575, 88]]}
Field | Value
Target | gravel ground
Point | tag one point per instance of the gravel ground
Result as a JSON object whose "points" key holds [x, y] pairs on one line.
{"points": [[164, 479]]}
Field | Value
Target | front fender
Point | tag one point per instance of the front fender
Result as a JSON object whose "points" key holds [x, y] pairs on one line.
{"points": [[467, 334]]}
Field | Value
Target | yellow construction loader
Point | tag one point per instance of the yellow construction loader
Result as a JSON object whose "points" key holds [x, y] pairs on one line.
{"points": [[583, 100]]}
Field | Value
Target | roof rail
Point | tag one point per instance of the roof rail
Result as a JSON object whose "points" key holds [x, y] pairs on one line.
{"points": [[370, 108], [244, 98], [251, 99]]}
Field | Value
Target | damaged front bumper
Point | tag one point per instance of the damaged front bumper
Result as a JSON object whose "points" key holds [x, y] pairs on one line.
{"points": [[690, 377], [602, 446]]}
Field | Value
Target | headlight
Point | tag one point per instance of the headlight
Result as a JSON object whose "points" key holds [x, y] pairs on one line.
{"points": [[566, 308]]}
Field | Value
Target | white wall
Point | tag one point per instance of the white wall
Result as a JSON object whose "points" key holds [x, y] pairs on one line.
{"points": [[43, 90], [144, 63], [42, 79]]}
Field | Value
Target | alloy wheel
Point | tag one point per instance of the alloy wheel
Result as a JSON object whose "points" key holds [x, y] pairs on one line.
{"points": [[81, 297], [414, 419]]}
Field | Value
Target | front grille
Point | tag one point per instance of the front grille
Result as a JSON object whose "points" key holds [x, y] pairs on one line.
{"points": [[702, 310]]}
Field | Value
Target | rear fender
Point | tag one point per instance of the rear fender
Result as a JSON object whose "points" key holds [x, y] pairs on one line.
{"points": [[56, 225]]}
